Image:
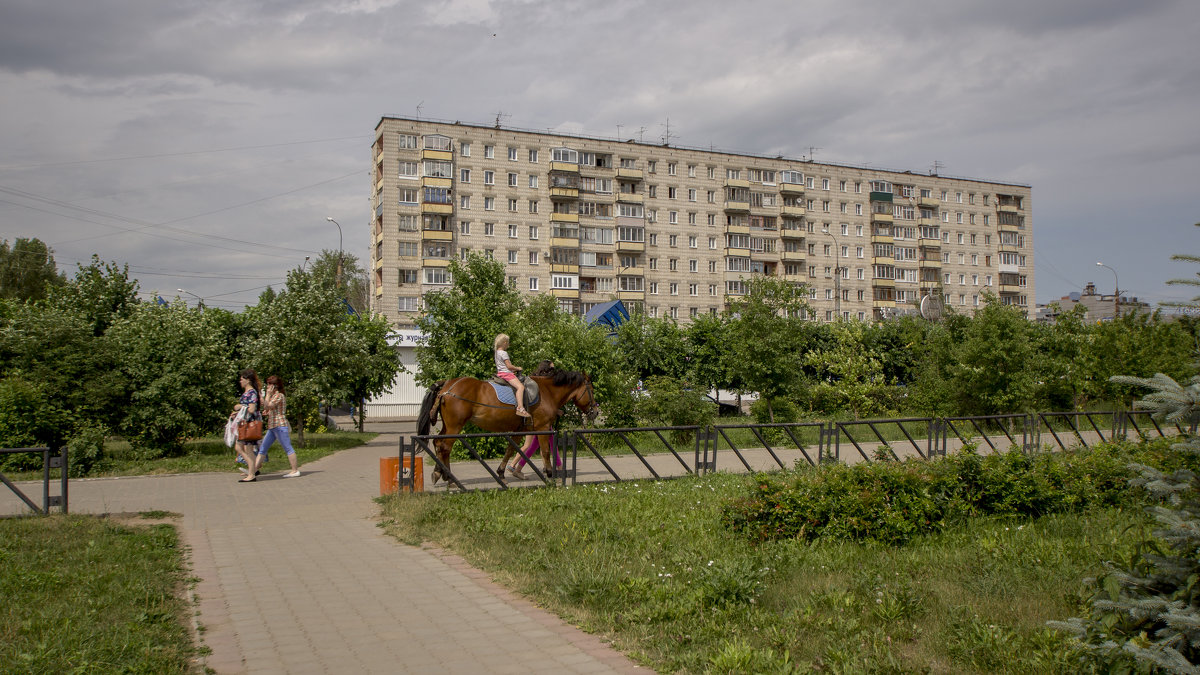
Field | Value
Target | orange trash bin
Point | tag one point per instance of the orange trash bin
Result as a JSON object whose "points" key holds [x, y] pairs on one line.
{"points": [[389, 475]]}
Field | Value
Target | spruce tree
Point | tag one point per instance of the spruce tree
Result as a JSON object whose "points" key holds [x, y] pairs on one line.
{"points": [[1145, 614]]}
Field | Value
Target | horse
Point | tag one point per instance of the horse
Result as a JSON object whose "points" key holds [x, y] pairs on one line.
{"points": [[465, 399]]}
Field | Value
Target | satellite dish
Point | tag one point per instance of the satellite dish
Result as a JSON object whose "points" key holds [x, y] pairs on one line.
{"points": [[931, 307]]}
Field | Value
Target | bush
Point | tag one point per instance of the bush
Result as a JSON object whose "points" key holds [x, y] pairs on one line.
{"points": [[29, 420], [891, 502], [675, 403], [86, 451]]}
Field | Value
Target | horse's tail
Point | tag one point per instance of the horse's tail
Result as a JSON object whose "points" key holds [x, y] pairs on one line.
{"points": [[429, 414]]}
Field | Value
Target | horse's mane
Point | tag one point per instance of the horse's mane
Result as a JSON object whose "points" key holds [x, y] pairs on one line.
{"points": [[567, 378]]}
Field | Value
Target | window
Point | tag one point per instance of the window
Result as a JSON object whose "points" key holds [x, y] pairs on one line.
{"points": [[673, 264], [437, 275], [673, 218], [533, 181], [533, 257], [533, 231], [489, 203], [464, 175], [409, 170], [464, 202], [533, 206], [408, 304], [489, 177], [733, 174], [489, 152], [712, 172], [654, 239], [408, 142], [438, 169], [653, 288], [858, 209], [408, 195], [512, 154], [533, 283], [692, 242], [712, 265], [670, 193], [652, 166], [512, 206], [408, 276], [408, 224], [564, 155], [464, 149], [824, 183], [512, 232], [464, 227], [693, 265], [512, 257], [437, 142], [489, 229], [654, 263], [512, 180]]}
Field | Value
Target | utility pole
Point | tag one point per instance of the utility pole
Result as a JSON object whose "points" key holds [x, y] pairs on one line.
{"points": [[837, 274], [1116, 291]]}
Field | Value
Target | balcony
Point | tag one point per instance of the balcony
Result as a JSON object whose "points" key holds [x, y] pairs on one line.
{"points": [[632, 271], [932, 263], [437, 235], [792, 211], [881, 218], [795, 278], [764, 256], [928, 202], [882, 238], [631, 295], [927, 222], [568, 167], [1008, 227], [631, 246], [792, 256], [435, 262], [430, 181], [630, 197], [1010, 288], [564, 242], [564, 217], [560, 193], [629, 174], [791, 188], [881, 197], [737, 183], [883, 283], [431, 207], [444, 155], [741, 207], [557, 268], [883, 304], [1009, 248], [792, 234], [737, 229], [1007, 208], [565, 292]]}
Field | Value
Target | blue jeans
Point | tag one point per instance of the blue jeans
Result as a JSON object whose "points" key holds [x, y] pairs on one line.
{"points": [[273, 434]]}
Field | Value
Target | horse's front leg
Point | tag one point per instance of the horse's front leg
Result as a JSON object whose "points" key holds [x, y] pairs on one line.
{"points": [[547, 442]]}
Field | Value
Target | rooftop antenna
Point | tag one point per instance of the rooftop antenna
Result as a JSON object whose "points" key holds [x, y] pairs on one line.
{"points": [[419, 109], [500, 117], [619, 131], [641, 131], [666, 137], [812, 153], [937, 168]]}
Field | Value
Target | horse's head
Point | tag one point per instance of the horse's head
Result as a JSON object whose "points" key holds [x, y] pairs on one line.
{"points": [[584, 398]]}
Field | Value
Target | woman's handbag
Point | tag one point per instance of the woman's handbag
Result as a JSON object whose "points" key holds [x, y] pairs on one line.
{"points": [[248, 432]]}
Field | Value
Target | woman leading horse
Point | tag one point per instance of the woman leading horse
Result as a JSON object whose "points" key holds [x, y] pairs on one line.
{"points": [[466, 399]]}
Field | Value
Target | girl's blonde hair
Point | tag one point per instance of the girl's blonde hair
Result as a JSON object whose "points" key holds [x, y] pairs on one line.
{"points": [[501, 338]]}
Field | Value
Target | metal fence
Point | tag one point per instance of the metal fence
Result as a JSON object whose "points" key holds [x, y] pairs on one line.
{"points": [[51, 459], [615, 455]]}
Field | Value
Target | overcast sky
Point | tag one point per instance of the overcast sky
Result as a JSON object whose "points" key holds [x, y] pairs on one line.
{"points": [[205, 142]]}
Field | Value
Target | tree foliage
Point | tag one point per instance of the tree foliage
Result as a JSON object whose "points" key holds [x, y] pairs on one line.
{"points": [[766, 338], [27, 269]]}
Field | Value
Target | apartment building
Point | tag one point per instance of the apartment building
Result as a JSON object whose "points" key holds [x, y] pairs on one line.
{"points": [[677, 231]]}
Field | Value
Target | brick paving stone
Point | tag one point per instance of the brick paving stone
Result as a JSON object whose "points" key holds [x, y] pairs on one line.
{"points": [[295, 576]]}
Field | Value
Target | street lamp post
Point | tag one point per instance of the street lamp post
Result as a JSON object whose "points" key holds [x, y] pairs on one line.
{"points": [[199, 300], [340, 255], [1116, 291], [837, 274]]}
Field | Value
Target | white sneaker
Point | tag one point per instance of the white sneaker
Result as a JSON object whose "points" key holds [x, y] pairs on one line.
{"points": [[293, 474], [243, 470]]}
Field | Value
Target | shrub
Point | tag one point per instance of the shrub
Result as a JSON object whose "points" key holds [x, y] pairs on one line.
{"points": [[86, 451], [29, 420], [675, 403], [892, 502]]}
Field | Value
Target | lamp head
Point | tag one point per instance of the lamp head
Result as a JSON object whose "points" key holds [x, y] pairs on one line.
{"points": [[330, 219], [1100, 264]]}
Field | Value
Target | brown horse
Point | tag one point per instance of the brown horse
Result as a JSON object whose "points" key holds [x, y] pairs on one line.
{"points": [[466, 399]]}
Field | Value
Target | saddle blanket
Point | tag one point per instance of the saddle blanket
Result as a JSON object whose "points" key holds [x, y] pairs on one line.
{"points": [[508, 396]]}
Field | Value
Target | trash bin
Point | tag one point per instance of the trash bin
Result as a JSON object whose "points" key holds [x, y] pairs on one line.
{"points": [[389, 475]]}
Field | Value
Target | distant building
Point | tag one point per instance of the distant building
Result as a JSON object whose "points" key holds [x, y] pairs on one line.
{"points": [[676, 231], [1099, 306]]}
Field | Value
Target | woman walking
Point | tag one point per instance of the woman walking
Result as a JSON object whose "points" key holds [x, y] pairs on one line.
{"points": [[247, 410], [275, 412]]}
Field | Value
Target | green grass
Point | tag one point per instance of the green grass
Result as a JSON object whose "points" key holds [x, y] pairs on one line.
{"points": [[209, 454], [648, 566], [84, 594]]}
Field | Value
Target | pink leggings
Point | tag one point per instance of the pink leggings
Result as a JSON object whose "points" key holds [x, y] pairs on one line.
{"points": [[537, 445]]}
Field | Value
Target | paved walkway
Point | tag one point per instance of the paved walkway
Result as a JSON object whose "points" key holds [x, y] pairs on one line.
{"points": [[296, 577]]}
